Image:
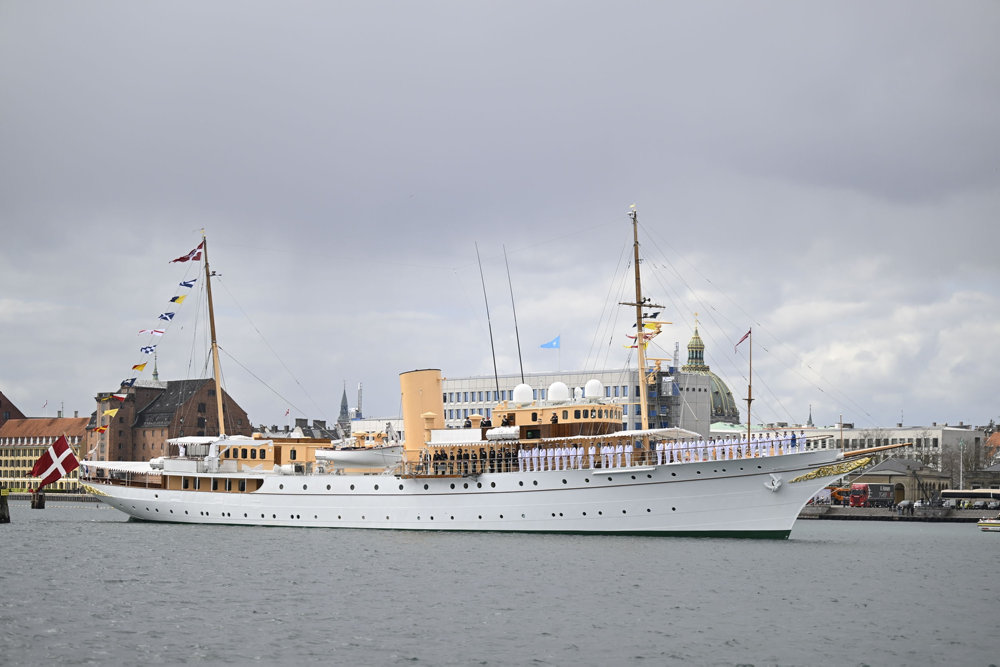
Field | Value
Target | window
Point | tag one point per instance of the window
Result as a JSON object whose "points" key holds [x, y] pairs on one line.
{"points": [[261, 452], [253, 453], [243, 453], [201, 407], [292, 454]]}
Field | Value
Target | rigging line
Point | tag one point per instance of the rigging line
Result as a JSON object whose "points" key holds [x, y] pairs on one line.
{"points": [[795, 367], [609, 314], [496, 376], [517, 333], [268, 345], [261, 380]]}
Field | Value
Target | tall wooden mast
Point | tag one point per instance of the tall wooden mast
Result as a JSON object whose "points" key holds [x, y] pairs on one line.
{"points": [[640, 342], [216, 372]]}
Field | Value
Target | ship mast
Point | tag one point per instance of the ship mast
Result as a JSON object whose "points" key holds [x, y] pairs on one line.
{"points": [[640, 342], [215, 346]]}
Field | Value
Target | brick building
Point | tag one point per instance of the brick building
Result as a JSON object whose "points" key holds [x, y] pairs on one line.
{"points": [[8, 410], [137, 428]]}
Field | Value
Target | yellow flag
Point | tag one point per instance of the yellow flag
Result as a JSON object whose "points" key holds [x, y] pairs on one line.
{"points": [[138, 367], [111, 412]]}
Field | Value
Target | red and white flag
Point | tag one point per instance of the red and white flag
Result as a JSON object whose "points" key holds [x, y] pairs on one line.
{"points": [[193, 255], [57, 461], [745, 336]]}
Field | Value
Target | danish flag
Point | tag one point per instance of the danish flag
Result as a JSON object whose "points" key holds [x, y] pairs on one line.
{"points": [[57, 461], [193, 255]]}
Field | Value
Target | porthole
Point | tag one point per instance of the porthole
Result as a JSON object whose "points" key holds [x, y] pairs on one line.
{"points": [[535, 482], [673, 474], [338, 516], [584, 514], [758, 467], [609, 479], [376, 487], [453, 486], [386, 517], [553, 514], [281, 486], [171, 511], [520, 483], [624, 512], [587, 480], [633, 476], [673, 509], [522, 516], [156, 495], [649, 477], [362, 517], [244, 515], [698, 472], [305, 486], [501, 516], [465, 486], [327, 487], [452, 518], [479, 485], [352, 487], [400, 487], [185, 511], [493, 485], [274, 516], [432, 518], [480, 516], [648, 510], [600, 512], [426, 487], [564, 481], [560, 513]]}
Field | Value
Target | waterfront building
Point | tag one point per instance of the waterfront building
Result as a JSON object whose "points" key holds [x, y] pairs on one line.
{"points": [[23, 440], [912, 479], [136, 428], [938, 446]]}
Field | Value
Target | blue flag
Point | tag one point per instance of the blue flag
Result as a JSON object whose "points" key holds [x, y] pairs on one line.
{"points": [[166, 316], [188, 283], [552, 344]]}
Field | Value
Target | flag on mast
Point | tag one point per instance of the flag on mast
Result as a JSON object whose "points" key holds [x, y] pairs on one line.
{"points": [[552, 344], [745, 336]]}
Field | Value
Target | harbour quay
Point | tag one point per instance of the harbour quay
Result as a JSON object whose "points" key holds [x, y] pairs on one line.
{"points": [[928, 514]]}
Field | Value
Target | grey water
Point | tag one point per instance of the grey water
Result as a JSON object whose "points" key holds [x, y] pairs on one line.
{"points": [[82, 585]]}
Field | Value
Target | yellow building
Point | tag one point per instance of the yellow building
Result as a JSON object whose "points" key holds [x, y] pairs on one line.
{"points": [[22, 441]]}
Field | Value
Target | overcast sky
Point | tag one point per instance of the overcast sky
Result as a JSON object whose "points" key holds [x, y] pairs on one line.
{"points": [[827, 173]]}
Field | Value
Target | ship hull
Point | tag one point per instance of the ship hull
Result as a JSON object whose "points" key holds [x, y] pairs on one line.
{"points": [[734, 498]]}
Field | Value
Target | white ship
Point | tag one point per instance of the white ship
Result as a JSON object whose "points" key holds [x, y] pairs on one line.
{"points": [[560, 465]]}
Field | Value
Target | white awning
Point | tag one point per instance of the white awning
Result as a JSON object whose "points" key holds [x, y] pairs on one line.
{"points": [[135, 467]]}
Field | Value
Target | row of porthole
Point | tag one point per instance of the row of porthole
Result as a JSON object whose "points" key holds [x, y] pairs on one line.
{"points": [[340, 517]]}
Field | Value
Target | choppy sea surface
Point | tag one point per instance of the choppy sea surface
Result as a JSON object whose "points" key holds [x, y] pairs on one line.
{"points": [[80, 584]]}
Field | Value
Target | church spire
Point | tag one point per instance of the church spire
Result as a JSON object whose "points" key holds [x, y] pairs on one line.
{"points": [[345, 413]]}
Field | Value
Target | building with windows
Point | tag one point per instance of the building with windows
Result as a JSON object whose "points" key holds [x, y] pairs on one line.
{"points": [[938, 446], [23, 440], [136, 428]]}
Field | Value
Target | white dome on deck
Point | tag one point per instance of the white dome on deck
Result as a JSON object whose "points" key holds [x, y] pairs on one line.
{"points": [[522, 394], [558, 392], [593, 389]]}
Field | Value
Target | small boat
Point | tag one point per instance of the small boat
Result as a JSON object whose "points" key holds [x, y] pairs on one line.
{"points": [[990, 525], [370, 450], [564, 464]]}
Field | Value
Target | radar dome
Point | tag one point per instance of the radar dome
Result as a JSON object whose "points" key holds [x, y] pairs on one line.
{"points": [[558, 391], [593, 389], [522, 394]]}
